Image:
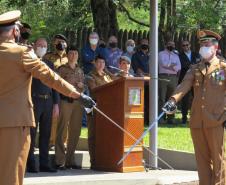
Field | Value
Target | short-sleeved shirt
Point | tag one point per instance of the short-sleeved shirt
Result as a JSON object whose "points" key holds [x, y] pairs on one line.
{"points": [[73, 76]]}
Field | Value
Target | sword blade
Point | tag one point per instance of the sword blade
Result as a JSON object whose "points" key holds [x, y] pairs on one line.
{"points": [[142, 136]]}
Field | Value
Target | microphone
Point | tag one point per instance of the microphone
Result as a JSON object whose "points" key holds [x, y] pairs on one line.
{"points": [[112, 67]]}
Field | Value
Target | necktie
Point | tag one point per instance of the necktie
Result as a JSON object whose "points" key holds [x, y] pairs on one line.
{"points": [[207, 64]]}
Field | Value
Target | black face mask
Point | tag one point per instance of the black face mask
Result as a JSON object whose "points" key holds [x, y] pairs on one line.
{"points": [[25, 35], [102, 45], [60, 46], [144, 47], [170, 48], [113, 44]]}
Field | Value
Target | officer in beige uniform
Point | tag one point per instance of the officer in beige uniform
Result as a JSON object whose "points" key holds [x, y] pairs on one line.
{"points": [[97, 77], [208, 78], [17, 66], [58, 57], [71, 112]]}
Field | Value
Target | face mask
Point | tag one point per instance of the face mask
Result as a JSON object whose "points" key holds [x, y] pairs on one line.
{"points": [[206, 52], [170, 48], [93, 41], [144, 47], [129, 49], [113, 44], [60, 46], [41, 51], [25, 35]]}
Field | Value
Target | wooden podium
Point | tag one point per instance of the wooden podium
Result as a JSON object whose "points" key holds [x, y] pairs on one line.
{"points": [[122, 100]]}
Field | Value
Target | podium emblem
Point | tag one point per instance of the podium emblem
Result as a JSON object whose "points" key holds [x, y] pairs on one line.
{"points": [[134, 96]]}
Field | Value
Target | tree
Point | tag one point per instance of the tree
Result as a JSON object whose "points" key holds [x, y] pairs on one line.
{"points": [[104, 17]]}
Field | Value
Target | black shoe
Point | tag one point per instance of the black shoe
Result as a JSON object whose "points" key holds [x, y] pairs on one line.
{"points": [[61, 167], [47, 169], [73, 167], [32, 170]]}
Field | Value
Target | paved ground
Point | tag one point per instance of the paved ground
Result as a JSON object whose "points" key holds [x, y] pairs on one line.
{"points": [[90, 177]]}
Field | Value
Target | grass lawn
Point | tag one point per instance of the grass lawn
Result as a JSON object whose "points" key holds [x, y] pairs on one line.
{"points": [[173, 137]]}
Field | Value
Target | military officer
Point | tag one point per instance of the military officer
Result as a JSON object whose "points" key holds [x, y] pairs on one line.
{"points": [[208, 78], [58, 57], [97, 77], [71, 112], [17, 66], [124, 65]]}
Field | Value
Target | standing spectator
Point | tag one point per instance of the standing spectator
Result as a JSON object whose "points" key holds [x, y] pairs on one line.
{"points": [[58, 57], [187, 58], [140, 65], [208, 79], [90, 51], [70, 112], [113, 53], [43, 99], [130, 48], [97, 77], [18, 64], [140, 59], [169, 66], [25, 32]]}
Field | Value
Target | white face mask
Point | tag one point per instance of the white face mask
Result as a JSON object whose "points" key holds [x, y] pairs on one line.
{"points": [[93, 41], [206, 52], [129, 49], [41, 51]]}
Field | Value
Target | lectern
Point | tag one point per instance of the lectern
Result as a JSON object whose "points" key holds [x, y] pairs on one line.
{"points": [[122, 100]]}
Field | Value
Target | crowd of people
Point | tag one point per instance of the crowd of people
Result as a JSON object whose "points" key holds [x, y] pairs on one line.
{"points": [[58, 98]]}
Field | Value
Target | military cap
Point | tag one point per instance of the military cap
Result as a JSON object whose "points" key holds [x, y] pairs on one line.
{"points": [[9, 18], [204, 35], [126, 58], [60, 36]]}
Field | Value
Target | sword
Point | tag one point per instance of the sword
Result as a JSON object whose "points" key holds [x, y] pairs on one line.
{"points": [[131, 136], [140, 139]]}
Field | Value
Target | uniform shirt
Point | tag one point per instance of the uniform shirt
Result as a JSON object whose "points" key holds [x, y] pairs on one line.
{"points": [[73, 76], [94, 79], [17, 66], [140, 60], [209, 103], [88, 57], [167, 58], [38, 88], [56, 59]]}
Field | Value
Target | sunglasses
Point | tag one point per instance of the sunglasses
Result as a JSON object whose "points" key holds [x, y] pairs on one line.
{"points": [[185, 45]]}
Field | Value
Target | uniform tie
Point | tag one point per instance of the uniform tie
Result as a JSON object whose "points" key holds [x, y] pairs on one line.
{"points": [[207, 64]]}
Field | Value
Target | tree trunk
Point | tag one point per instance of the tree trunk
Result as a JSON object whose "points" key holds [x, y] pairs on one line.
{"points": [[104, 17]]}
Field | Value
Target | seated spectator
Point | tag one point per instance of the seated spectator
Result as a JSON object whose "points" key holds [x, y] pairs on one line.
{"points": [[90, 51], [113, 53], [43, 99], [71, 113], [97, 77], [124, 65], [140, 59]]}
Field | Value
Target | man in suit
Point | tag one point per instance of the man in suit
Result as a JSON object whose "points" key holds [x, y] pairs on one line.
{"points": [[17, 66], [208, 112], [187, 58]]}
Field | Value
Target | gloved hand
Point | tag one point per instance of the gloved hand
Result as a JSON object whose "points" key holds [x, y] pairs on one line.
{"points": [[86, 101], [170, 107]]}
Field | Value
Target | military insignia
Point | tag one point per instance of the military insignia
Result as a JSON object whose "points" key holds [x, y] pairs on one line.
{"points": [[202, 34], [218, 75]]}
